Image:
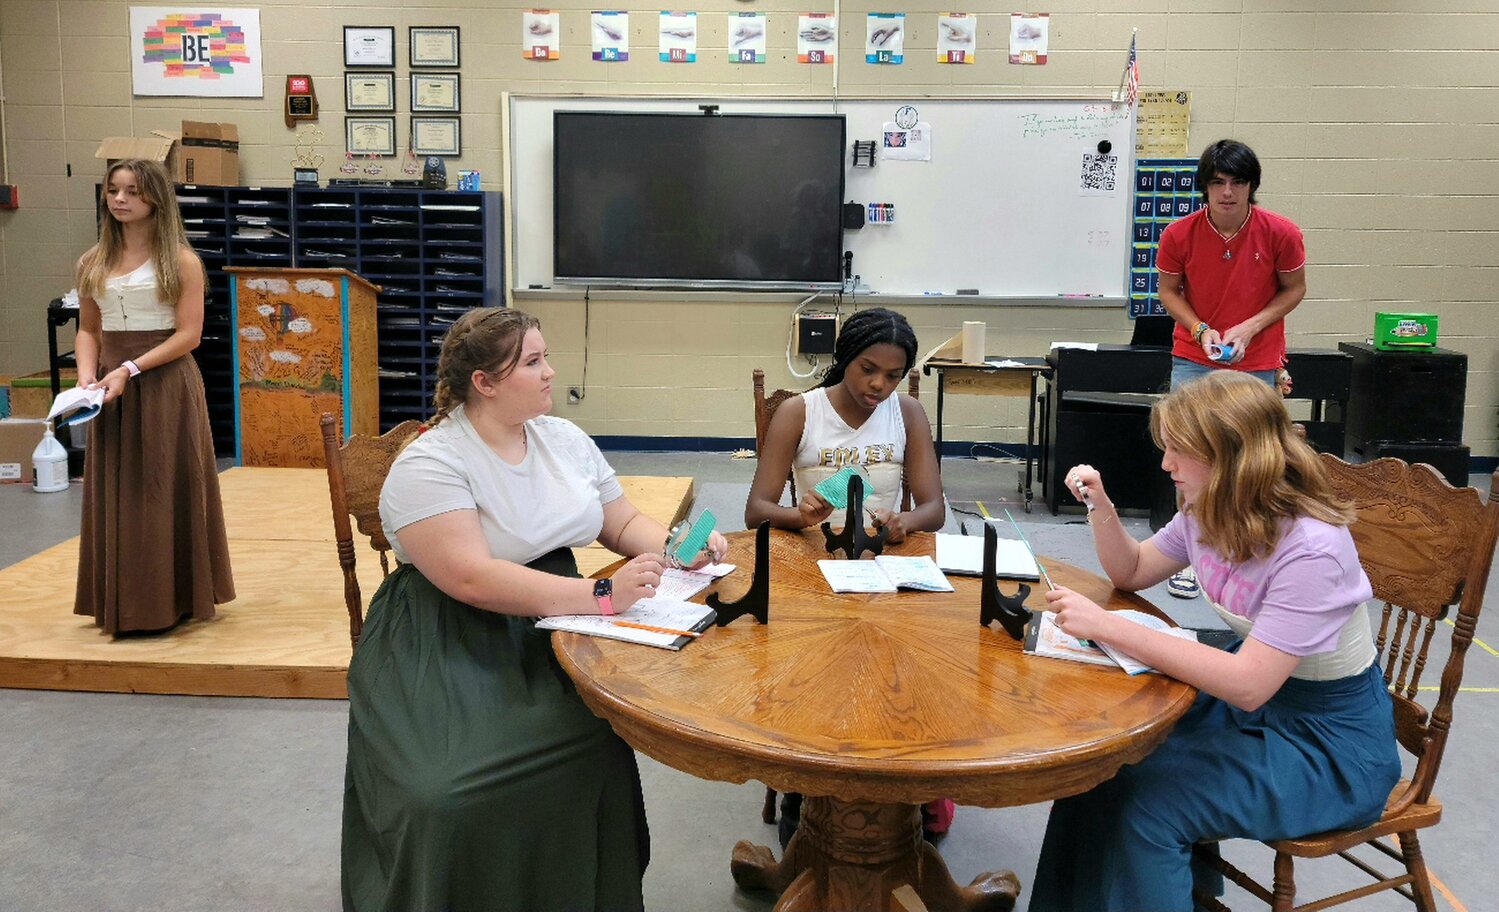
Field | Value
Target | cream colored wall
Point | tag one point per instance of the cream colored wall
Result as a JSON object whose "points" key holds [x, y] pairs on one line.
{"points": [[1376, 122]]}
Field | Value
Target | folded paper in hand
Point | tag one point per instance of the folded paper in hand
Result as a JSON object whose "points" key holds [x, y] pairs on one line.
{"points": [[75, 406]]}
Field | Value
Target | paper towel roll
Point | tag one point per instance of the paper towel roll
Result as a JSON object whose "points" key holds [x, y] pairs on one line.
{"points": [[973, 342]]}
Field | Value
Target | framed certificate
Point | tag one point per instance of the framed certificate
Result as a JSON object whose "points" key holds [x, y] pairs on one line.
{"points": [[369, 46], [434, 92], [370, 91], [436, 136], [434, 46], [370, 135]]}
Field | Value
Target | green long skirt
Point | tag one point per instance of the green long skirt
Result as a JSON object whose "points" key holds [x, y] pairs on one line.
{"points": [[477, 781]]}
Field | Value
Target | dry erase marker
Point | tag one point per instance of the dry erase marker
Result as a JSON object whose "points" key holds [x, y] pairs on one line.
{"points": [[1082, 493]]}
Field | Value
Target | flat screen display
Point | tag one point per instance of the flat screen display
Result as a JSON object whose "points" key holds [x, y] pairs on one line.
{"points": [[695, 200]]}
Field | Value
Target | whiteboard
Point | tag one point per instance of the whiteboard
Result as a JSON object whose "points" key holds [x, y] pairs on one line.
{"points": [[1000, 210]]}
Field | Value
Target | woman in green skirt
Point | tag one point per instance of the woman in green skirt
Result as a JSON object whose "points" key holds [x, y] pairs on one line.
{"points": [[477, 779]]}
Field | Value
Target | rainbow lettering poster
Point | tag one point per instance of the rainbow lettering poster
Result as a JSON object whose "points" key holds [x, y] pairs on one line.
{"points": [[182, 51]]}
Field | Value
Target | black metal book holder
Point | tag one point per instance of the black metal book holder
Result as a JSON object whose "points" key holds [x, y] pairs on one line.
{"points": [[994, 605], [755, 602], [853, 540]]}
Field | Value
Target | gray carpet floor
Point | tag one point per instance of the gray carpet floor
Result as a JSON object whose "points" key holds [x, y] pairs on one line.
{"points": [[134, 802]]}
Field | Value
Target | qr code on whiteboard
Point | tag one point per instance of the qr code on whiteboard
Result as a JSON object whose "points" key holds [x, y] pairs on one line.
{"points": [[1099, 172]]}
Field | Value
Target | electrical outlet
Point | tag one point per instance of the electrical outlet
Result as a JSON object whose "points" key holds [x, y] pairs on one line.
{"points": [[574, 395]]}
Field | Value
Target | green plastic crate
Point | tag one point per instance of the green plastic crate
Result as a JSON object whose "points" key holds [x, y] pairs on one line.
{"points": [[1404, 330]]}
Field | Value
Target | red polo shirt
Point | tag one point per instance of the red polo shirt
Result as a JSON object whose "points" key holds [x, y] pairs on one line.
{"points": [[1226, 291]]}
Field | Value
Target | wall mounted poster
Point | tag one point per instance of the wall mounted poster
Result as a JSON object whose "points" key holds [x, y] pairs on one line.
{"points": [[611, 36], [541, 32], [814, 37], [747, 37], [179, 51], [885, 38], [957, 37], [678, 37], [1029, 34]]}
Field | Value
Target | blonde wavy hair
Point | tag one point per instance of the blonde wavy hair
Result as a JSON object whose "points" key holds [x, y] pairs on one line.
{"points": [[167, 239], [1261, 472], [484, 339]]}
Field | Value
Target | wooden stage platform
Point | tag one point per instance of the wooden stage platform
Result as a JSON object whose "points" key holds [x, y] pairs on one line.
{"points": [[285, 635]]}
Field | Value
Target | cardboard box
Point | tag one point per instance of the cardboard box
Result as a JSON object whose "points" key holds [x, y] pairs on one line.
{"points": [[160, 146], [18, 438], [209, 154], [31, 395]]}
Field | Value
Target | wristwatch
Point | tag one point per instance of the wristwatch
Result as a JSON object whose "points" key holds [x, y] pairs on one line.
{"points": [[603, 593]]}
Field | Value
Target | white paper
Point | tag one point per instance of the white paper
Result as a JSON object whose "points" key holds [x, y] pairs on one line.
{"points": [[180, 51], [1008, 362], [611, 35], [913, 573], [886, 573], [1085, 346], [658, 612], [1130, 664], [900, 144], [541, 35], [964, 554], [855, 576], [1044, 638], [682, 584], [75, 406]]}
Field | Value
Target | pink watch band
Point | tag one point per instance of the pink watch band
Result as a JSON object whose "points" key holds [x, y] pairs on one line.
{"points": [[131, 367]]}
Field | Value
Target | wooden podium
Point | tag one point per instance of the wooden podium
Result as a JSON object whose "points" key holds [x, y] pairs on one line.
{"points": [[304, 344]]}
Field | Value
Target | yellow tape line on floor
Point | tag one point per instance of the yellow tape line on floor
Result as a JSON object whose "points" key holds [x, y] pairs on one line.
{"points": [[1446, 893], [1484, 646]]}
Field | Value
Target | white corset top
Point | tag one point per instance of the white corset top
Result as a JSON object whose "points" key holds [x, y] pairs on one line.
{"points": [[132, 302]]}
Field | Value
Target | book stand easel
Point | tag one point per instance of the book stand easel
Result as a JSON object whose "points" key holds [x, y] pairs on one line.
{"points": [[994, 605], [755, 602], [853, 540]]}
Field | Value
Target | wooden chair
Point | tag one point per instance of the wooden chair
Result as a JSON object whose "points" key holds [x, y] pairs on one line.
{"points": [[765, 406], [356, 469], [1425, 546]]}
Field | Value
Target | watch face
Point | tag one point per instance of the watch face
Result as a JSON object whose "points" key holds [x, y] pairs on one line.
{"points": [[603, 588]]}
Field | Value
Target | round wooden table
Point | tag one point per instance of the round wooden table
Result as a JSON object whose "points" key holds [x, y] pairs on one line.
{"points": [[871, 705]]}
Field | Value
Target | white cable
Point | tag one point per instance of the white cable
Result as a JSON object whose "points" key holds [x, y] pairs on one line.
{"points": [[791, 336]]}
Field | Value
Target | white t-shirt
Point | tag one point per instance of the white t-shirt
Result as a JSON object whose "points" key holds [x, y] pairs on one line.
{"points": [[554, 498], [828, 444]]}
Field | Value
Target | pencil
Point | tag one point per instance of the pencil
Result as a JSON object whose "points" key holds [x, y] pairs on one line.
{"points": [[654, 629], [1039, 566]]}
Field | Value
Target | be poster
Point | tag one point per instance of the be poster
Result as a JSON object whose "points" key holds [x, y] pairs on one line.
{"points": [[176, 51]]}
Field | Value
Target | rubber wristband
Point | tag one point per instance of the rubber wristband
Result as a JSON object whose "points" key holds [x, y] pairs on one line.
{"points": [[606, 604], [1197, 330], [131, 367]]}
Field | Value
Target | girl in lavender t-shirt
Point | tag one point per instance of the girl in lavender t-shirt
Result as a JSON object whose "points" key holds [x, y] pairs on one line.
{"points": [[1293, 731]]}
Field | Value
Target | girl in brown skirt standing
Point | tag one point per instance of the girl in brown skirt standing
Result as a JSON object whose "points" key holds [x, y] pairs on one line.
{"points": [[153, 545]]}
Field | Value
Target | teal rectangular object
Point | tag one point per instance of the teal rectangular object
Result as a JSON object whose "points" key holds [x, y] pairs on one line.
{"points": [[686, 546], [834, 488]]}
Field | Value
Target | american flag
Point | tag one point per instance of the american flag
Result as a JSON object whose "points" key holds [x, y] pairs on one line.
{"points": [[1132, 74]]}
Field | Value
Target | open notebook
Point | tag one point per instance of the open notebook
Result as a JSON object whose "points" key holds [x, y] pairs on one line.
{"points": [[674, 621], [964, 555]]}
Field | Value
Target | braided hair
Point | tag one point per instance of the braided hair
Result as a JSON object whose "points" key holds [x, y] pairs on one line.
{"points": [[484, 339], [866, 328]]}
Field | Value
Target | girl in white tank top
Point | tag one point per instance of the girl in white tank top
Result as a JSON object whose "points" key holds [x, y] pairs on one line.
{"points": [[855, 417]]}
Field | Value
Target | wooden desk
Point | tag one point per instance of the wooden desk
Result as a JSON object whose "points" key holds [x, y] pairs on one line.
{"points": [[987, 380], [878, 703]]}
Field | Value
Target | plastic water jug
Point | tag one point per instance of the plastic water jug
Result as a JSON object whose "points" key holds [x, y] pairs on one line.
{"points": [[50, 461]]}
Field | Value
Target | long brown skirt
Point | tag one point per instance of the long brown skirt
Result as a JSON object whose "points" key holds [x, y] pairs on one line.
{"points": [[153, 546]]}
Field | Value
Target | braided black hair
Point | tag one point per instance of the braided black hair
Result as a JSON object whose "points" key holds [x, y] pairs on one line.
{"points": [[870, 327], [485, 338]]}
